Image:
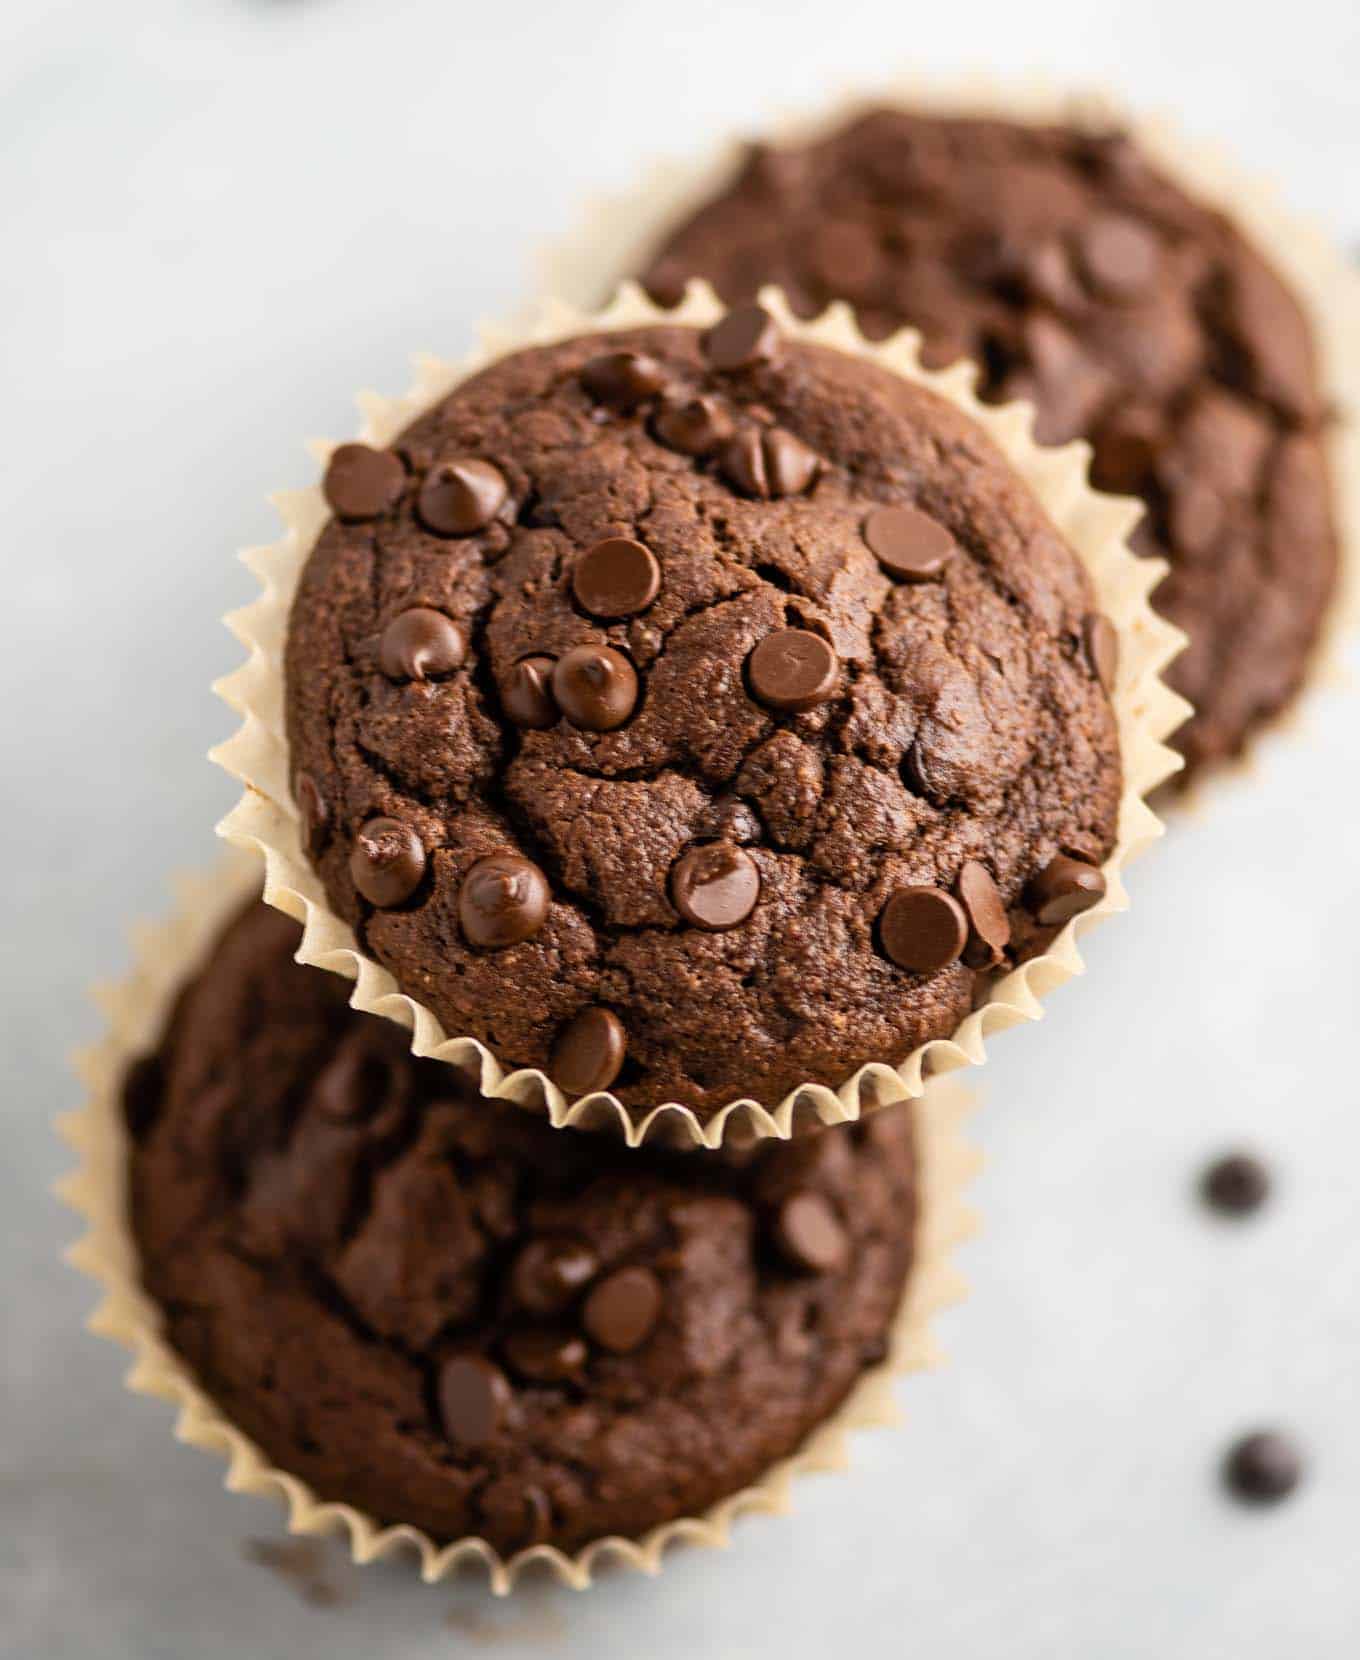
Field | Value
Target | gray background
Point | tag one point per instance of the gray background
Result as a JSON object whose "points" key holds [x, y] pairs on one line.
{"points": [[219, 221]]}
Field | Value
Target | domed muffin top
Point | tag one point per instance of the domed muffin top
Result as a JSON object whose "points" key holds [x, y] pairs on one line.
{"points": [[695, 714]]}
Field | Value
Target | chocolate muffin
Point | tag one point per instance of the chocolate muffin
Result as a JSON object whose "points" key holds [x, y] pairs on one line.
{"points": [[697, 714], [1079, 276], [459, 1318]]}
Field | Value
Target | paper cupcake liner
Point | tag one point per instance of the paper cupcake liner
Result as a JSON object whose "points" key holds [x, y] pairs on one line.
{"points": [[1096, 526], [166, 955], [615, 235]]}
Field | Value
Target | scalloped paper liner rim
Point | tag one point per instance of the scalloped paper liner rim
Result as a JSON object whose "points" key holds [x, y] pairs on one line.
{"points": [[1095, 525], [165, 955], [615, 234]]}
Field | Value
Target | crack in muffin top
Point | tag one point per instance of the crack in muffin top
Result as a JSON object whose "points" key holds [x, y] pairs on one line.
{"points": [[1078, 276], [697, 714]]}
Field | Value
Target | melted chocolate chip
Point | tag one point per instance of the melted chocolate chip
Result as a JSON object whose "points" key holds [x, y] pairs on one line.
{"points": [[504, 899], [696, 427], [923, 929], [473, 1399], [527, 695], [588, 1053], [768, 462], [616, 578], [621, 1312], [549, 1274], [420, 644], [908, 543], [362, 483], [1101, 641], [460, 497], [623, 380], [715, 887], [1064, 888], [545, 1356], [810, 1235], [595, 687], [793, 669], [744, 338], [316, 815], [387, 862]]}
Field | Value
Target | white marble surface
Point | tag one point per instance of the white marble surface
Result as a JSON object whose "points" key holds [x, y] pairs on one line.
{"points": [[218, 221]]}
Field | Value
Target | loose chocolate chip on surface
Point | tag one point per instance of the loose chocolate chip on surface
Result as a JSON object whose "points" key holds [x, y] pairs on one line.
{"points": [[1099, 637], [589, 1052], [545, 1356], [504, 899], [621, 1312], [361, 483], [793, 669], [1118, 255], [596, 687], [616, 578], [623, 380], [715, 887], [316, 815], [810, 1234], [548, 1274], [1236, 1184], [696, 427], [387, 862], [908, 543], [923, 929], [1064, 888], [1263, 1468], [527, 696], [473, 1398], [419, 644], [745, 337], [990, 927], [460, 497]]}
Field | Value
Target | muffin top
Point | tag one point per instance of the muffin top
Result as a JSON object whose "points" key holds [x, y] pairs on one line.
{"points": [[696, 714], [1078, 276], [463, 1319]]}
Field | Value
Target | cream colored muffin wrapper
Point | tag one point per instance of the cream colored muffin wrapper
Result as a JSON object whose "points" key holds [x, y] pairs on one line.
{"points": [[166, 956], [1095, 525], [616, 235]]}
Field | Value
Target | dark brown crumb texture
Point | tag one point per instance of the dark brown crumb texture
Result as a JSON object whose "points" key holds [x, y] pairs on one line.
{"points": [[462, 1319], [948, 715], [1076, 275]]}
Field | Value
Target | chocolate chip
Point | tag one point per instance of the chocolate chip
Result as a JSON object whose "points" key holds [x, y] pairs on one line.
{"points": [[744, 338], [908, 543], [990, 927], [548, 1274], [361, 483], [545, 1356], [768, 463], [387, 862], [695, 427], [622, 1311], [504, 899], [666, 282], [1118, 255], [460, 497], [1236, 1184], [596, 687], [588, 1052], [623, 380], [1195, 516], [1263, 1468], [316, 815], [616, 578], [923, 929], [527, 696], [715, 887], [1064, 888], [793, 669], [1101, 641], [419, 644], [473, 1399], [1125, 451], [810, 1234]]}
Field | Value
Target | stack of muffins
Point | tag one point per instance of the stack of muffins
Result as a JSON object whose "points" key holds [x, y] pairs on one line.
{"points": [[692, 729]]}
